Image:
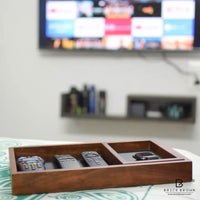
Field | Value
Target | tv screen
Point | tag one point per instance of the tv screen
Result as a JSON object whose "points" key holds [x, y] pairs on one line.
{"points": [[119, 24]]}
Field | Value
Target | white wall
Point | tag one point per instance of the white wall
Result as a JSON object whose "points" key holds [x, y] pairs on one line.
{"points": [[31, 81]]}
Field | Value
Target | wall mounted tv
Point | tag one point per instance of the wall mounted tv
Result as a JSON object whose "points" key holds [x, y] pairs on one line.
{"points": [[120, 24]]}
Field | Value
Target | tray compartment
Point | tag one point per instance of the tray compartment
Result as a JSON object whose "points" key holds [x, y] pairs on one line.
{"points": [[124, 150], [48, 152]]}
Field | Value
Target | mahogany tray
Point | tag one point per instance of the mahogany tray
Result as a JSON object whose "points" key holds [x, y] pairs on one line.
{"points": [[120, 172]]}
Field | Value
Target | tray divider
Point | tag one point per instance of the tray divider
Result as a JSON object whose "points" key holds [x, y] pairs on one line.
{"points": [[114, 153]]}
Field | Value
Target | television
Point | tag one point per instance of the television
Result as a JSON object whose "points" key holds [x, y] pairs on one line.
{"points": [[119, 24]]}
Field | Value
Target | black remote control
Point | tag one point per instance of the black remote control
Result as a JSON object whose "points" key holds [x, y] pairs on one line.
{"points": [[67, 161], [30, 163], [145, 156], [93, 159]]}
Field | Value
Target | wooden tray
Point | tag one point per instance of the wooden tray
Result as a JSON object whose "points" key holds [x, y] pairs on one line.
{"points": [[119, 173]]}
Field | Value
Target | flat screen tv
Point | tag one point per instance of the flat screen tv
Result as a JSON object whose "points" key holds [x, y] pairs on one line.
{"points": [[119, 24]]}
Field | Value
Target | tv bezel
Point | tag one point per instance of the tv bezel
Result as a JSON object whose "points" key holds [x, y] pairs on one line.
{"points": [[43, 38]]}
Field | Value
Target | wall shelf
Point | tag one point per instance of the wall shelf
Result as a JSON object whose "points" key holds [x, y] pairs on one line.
{"points": [[121, 118], [95, 117], [151, 102]]}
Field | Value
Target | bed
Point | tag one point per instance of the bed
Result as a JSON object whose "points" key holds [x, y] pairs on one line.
{"points": [[189, 190]]}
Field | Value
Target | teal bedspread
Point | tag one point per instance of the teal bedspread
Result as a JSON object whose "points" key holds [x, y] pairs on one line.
{"points": [[150, 192]]}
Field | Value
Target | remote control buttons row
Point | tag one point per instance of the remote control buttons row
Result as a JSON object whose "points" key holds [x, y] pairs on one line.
{"points": [[32, 166]]}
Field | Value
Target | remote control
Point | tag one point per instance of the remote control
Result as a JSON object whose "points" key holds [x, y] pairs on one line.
{"points": [[30, 163], [145, 156], [67, 161], [92, 158]]}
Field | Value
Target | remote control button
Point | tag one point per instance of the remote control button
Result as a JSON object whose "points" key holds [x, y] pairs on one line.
{"points": [[26, 166], [39, 165], [33, 167]]}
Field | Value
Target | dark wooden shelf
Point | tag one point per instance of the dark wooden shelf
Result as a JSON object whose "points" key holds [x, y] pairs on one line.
{"points": [[151, 100], [93, 116], [157, 103], [122, 118]]}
